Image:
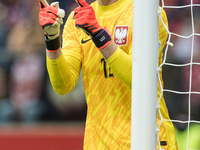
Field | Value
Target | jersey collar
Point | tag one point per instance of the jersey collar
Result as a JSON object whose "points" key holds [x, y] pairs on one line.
{"points": [[113, 9]]}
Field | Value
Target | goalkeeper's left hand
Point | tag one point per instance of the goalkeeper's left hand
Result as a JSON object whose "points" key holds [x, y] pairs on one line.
{"points": [[86, 20], [50, 18]]}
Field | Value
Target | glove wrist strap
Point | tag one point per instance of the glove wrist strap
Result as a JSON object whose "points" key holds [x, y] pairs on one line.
{"points": [[102, 39], [53, 45]]}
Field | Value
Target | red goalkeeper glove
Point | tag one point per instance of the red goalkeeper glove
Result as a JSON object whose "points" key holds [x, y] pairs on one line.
{"points": [[86, 20], [50, 18]]}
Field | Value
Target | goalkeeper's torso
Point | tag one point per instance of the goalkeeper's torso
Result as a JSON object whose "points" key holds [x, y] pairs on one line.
{"points": [[108, 98], [108, 123]]}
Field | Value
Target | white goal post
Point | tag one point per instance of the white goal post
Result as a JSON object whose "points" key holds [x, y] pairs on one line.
{"points": [[144, 74]]}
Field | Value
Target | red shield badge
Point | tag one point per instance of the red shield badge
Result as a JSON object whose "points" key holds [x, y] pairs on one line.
{"points": [[121, 35]]}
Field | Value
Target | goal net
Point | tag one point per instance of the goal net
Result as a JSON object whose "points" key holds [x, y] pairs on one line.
{"points": [[181, 71]]}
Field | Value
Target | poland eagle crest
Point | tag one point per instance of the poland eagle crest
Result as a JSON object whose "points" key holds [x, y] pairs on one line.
{"points": [[121, 35]]}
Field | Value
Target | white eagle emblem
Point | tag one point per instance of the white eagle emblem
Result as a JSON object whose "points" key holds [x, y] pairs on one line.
{"points": [[120, 35]]}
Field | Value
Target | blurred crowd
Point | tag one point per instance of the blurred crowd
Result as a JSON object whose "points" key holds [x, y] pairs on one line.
{"points": [[26, 94]]}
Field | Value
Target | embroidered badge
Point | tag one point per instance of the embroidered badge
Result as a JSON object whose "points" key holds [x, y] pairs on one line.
{"points": [[121, 35]]}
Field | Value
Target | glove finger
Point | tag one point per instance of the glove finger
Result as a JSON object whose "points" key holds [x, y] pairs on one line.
{"points": [[51, 9], [55, 4], [85, 14], [46, 18], [82, 3], [43, 3], [76, 10], [56, 25], [47, 22], [59, 20], [60, 12], [80, 11]]}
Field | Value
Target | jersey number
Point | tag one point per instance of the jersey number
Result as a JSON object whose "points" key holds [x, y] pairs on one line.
{"points": [[107, 72]]}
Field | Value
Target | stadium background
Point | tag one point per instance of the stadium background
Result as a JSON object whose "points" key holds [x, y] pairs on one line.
{"points": [[33, 116]]}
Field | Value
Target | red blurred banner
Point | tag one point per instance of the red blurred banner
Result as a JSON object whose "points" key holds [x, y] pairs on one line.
{"points": [[42, 137]]}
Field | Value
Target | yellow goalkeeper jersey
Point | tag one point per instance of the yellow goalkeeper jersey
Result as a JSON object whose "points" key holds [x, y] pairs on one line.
{"points": [[107, 83]]}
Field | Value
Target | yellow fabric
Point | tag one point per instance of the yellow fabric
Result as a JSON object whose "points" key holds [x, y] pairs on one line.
{"points": [[120, 59], [107, 83]]}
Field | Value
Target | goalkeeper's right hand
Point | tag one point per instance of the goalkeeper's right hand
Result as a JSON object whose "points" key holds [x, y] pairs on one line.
{"points": [[50, 18]]}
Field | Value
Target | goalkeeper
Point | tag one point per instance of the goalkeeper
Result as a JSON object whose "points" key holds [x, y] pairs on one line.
{"points": [[97, 38]]}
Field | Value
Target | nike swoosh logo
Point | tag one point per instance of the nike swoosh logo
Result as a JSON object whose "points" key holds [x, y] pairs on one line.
{"points": [[85, 41]]}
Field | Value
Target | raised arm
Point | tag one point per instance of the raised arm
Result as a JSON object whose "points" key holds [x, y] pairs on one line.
{"points": [[119, 61], [62, 73]]}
